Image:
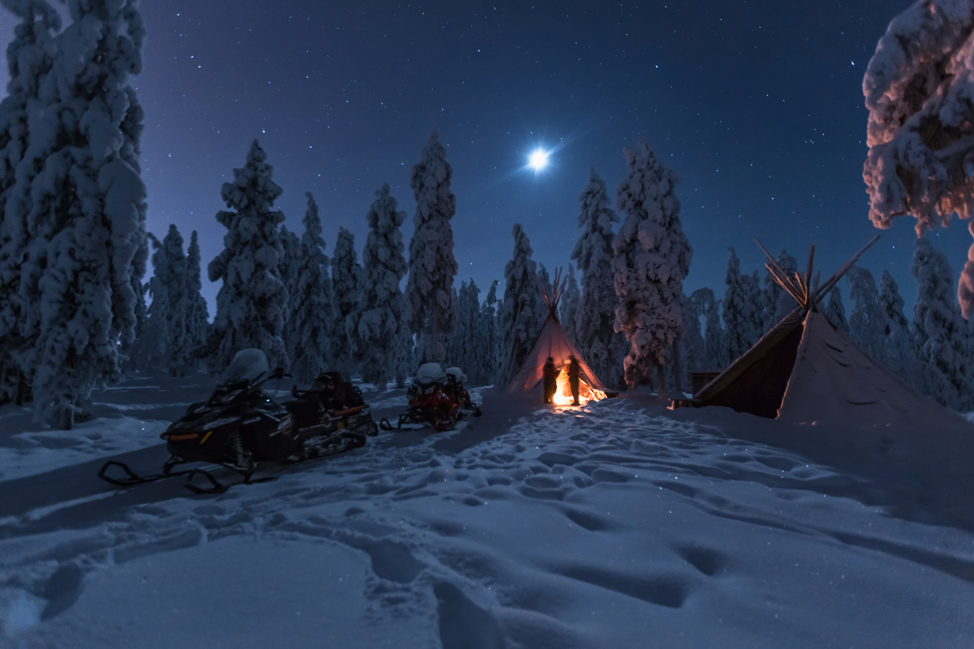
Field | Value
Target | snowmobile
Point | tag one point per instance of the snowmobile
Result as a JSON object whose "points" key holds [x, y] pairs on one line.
{"points": [[456, 379], [437, 398], [240, 427]]}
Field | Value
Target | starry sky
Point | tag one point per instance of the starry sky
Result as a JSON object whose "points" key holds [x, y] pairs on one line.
{"points": [[756, 105]]}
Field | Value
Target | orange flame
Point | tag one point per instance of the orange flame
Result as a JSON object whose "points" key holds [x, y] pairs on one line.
{"points": [[563, 391]]}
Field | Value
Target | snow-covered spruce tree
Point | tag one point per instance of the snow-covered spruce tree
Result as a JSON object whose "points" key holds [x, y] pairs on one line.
{"points": [[693, 354], [522, 307], [835, 310], [432, 267], [742, 321], [348, 281], [652, 257], [169, 284], [466, 350], [287, 267], [602, 347], [918, 89], [382, 327], [940, 332], [198, 316], [867, 322], [252, 303], [777, 302], [708, 308], [568, 307], [29, 58], [86, 217], [490, 333], [153, 346], [899, 352], [311, 312]]}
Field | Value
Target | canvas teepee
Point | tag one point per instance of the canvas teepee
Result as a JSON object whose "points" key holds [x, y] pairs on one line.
{"points": [[553, 342], [806, 371]]}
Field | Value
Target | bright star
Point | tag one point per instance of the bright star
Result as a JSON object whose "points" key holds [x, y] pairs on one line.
{"points": [[538, 159]]}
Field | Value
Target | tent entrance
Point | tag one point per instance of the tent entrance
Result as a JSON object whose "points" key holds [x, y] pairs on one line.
{"points": [[760, 388]]}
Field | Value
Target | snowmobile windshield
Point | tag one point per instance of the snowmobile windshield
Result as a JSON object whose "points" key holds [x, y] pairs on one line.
{"points": [[247, 365]]}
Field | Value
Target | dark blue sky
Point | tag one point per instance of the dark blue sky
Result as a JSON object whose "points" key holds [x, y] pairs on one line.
{"points": [[756, 105]]}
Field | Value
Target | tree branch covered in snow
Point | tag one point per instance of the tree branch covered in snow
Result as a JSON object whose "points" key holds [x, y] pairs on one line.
{"points": [[919, 89]]}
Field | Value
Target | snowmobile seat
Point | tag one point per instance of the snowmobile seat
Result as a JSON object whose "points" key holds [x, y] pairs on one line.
{"points": [[429, 376]]}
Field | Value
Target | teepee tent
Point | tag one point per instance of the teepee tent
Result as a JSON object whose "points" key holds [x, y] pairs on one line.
{"points": [[806, 371], [553, 342]]}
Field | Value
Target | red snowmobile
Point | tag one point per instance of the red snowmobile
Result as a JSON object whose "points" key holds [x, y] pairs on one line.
{"points": [[437, 398]]}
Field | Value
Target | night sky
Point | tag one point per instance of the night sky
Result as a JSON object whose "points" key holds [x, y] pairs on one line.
{"points": [[756, 105]]}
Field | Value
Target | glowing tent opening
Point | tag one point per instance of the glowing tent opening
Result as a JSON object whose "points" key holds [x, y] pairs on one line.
{"points": [[563, 391]]}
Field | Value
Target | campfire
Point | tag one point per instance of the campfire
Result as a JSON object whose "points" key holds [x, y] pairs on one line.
{"points": [[563, 391]]}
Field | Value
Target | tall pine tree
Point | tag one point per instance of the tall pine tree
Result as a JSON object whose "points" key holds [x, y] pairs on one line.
{"points": [[29, 60], [939, 330], [708, 307], [652, 257], [899, 353], [743, 319], [86, 215], [348, 281], [522, 309], [777, 302], [198, 317], [568, 307], [602, 347], [382, 328], [311, 310], [867, 322], [252, 304], [432, 267]]}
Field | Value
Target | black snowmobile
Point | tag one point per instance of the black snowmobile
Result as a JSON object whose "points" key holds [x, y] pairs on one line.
{"points": [[239, 427]]}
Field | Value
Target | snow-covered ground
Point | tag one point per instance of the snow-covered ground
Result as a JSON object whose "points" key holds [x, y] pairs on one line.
{"points": [[618, 524]]}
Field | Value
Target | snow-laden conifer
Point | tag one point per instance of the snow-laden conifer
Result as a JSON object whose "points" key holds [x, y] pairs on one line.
{"points": [[708, 308], [491, 333], [652, 257], [899, 351], [86, 216], [311, 312], [30, 56], [198, 316], [252, 303], [693, 353], [288, 267], [467, 348], [918, 88], [777, 302], [153, 346], [602, 347], [742, 320], [940, 332], [835, 310], [382, 328], [569, 305], [178, 360], [867, 322], [522, 309], [432, 267], [348, 281]]}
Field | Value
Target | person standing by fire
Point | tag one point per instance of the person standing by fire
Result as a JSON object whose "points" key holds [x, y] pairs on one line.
{"points": [[573, 378], [550, 375]]}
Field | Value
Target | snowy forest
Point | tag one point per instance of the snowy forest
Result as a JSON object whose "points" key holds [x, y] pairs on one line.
{"points": [[762, 461], [87, 294]]}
